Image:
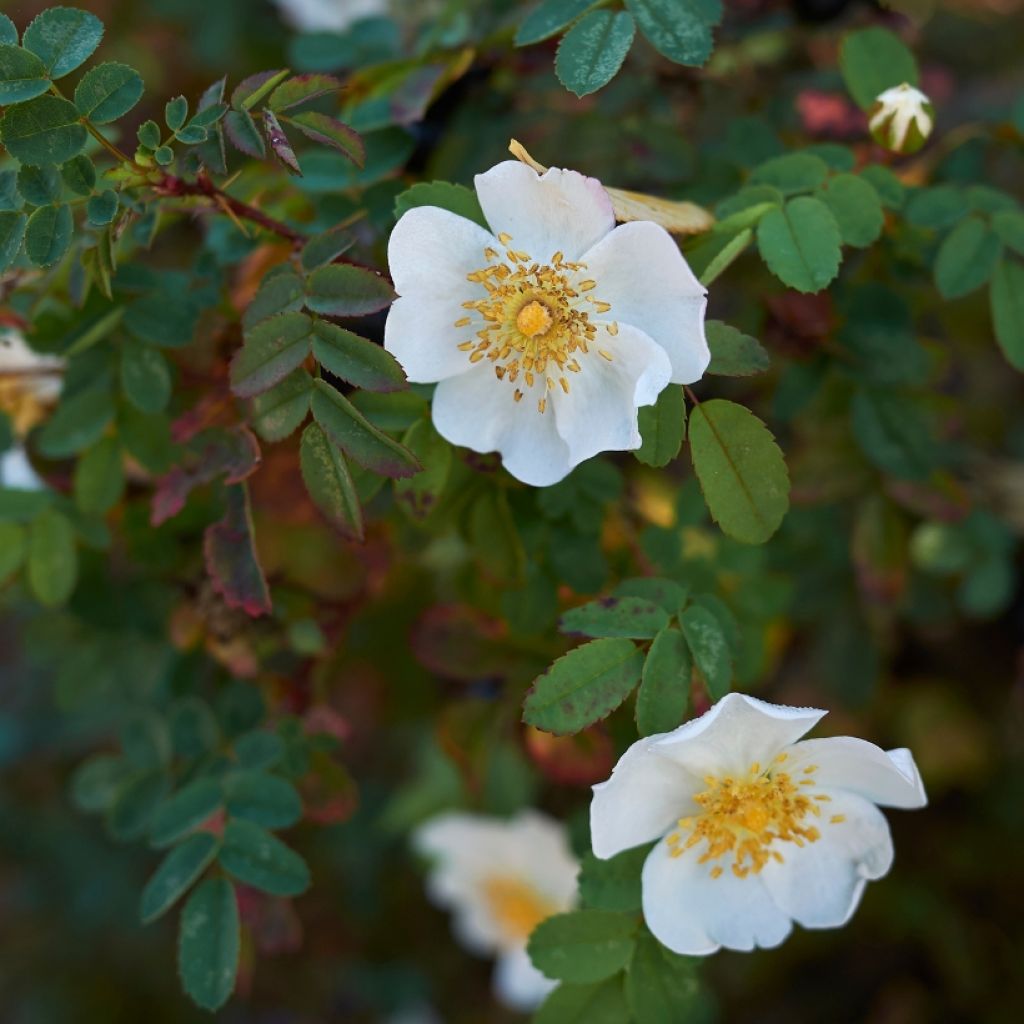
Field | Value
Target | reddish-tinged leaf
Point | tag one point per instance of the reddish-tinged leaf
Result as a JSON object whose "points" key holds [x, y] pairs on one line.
{"points": [[279, 141], [329, 131], [579, 760], [231, 559], [243, 133], [301, 89], [459, 642], [251, 86]]}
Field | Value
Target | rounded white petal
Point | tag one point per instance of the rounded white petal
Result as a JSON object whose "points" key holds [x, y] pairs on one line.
{"points": [[517, 983], [599, 413], [735, 733], [329, 15], [639, 269], [476, 410], [15, 354], [820, 884], [16, 472], [889, 778], [420, 334], [558, 211], [694, 914], [644, 798]]}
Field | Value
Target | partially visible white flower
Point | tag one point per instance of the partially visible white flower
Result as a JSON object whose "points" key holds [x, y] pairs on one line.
{"points": [[756, 828], [329, 15], [501, 878], [28, 385], [546, 333], [902, 118]]}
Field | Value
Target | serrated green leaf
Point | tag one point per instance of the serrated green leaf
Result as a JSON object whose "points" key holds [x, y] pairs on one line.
{"points": [[39, 185], [280, 293], [48, 235], [791, 173], [856, 207], [267, 800], [79, 175], [549, 18], [873, 60], [613, 884], [244, 135], [52, 558], [63, 38], [208, 943], [661, 987], [966, 258], [329, 482], [455, 198], [733, 353], [22, 75], [592, 51], [278, 412], [43, 131], [325, 248], [175, 112], [149, 134], [261, 860], [710, 648], [145, 377], [329, 131], [663, 699], [300, 89], [604, 1003], [662, 427], [8, 31], [175, 874], [344, 290], [631, 617], [1007, 300], [678, 29], [583, 946], [801, 244], [12, 231], [108, 91], [356, 360], [273, 349], [101, 209], [99, 478], [184, 811], [740, 469], [583, 686]]}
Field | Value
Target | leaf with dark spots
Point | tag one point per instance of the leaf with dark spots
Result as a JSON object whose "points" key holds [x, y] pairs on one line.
{"points": [[231, 560], [279, 141]]}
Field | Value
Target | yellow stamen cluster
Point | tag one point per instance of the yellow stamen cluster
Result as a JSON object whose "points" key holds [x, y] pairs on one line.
{"points": [[745, 817], [533, 322], [20, 402], [516, 906]]}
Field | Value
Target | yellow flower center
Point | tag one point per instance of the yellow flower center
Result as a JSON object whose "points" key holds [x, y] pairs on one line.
{"points": [[19, 401], [516, 906], [743, 819], [533, 320]]}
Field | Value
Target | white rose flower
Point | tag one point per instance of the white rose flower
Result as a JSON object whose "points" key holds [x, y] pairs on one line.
{"points": [[28, 384], [548, 332], [756, 827], [501, 878], [902, 118], [329, 15]]}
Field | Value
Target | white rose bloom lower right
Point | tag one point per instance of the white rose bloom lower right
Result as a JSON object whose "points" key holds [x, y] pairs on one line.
{"points": [[757, 827]]}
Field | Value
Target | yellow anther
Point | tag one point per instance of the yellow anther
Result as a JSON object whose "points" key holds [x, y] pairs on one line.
{"points": [[613, 328], [604, 355], [602, 307], [463, 321], [837, 819], [504, 238]]}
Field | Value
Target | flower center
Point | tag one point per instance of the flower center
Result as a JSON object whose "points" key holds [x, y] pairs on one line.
{"points": [[516, 905], [534, 320], [19, 402], [743, 819]]}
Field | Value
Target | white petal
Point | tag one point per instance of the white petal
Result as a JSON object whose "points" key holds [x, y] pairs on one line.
{"points": [[476, 410], [538, 851], [735, 733], [517, 983], [845, 762], [430, 252], [558, 211], [599, 414], [17, 473], [694, 914], [819, 885], [644, 798], [641, 272]]}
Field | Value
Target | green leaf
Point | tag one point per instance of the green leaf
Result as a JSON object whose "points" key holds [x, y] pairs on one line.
{"points": [[39, 185], [662, 426], [592, 51], [801, 244], [583, 946], [101, 209], [710, 648], [1007, 299], [244, 134], [356, 360], [669, 594], [791, 173], [856, 207], [733, 353], [208, 943], [99, 478], [79, 175], [630, 617], [585, 1004], [22, 75], [455, 198], [548, 18], [613, 884], [329, 131], [325, 247], [663, 699], [419, 495], [175, 874], [893, 433], [329, 482], [678, 29], [967, 258], [167, 324], [261, 860], [149, 134], [495, 539], [12, 231], [1009, 226], [300, 89], [95, 782], [343, 290], [52, 558], [135, 803], [740, 469], [278, 412], [175, 112], [281, 293], [250, 91], [64, 38], [661, 987], [873, 60], [357, 437], [43, 131], [163, 155], [185, 811], [936, 207], [108, 91], [272, 350], [145, 377], [13, 549], [583, 686], [268, 800], [48, 235], [724, 256], [8, 31], [890, 189], [78, 422]]}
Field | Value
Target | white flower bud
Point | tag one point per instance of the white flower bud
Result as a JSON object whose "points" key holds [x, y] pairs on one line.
{"points": [[902, 118]]}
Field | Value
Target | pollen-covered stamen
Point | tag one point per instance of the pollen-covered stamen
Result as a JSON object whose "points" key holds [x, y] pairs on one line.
{"points": [[744, 818], [516, 906], [533, 321]]}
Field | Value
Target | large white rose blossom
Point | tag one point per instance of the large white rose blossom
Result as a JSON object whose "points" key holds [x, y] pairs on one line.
{"points": [[329, 15], [28, 385], [902, 118], [546, 333], [501, 878], [756, 827]]}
